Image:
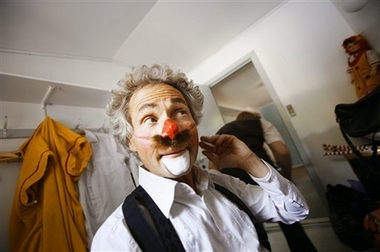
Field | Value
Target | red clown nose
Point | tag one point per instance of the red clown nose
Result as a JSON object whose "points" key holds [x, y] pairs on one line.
{"points": [[170, 129]]}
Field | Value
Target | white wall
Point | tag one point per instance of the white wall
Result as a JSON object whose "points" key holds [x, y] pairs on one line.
{"points": [[30, 115], [299, 47], [365, 21], [9, 173]]}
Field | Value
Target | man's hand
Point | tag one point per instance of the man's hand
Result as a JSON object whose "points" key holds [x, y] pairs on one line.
{"points": [[227, 151]]}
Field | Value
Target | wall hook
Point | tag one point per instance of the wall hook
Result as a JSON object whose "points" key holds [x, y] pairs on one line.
{"points": [[46, 98], [103, 129]]}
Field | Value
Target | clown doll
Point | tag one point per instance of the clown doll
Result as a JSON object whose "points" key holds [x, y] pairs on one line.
{"points": [[362, 65]]}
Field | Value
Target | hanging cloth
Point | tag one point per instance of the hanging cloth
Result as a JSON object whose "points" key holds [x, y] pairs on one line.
{"points": [[46, 213], [110, 175]]}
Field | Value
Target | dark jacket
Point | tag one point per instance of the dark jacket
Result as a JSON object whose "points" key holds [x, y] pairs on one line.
{"points": [[250, 131]]}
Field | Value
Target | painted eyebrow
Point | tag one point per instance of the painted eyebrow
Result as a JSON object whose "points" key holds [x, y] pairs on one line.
{"points": [[177, 100], [147, 106]]}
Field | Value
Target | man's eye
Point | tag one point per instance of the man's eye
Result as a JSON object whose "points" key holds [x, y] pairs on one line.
{"points": [[182, 112], [149, 120]]}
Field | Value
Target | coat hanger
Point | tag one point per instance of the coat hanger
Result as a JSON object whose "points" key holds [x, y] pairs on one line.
{"points": [[79, 129], [103, 129]]}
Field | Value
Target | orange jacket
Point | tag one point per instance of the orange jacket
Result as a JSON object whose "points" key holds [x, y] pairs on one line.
{"points": [[46, 214]]}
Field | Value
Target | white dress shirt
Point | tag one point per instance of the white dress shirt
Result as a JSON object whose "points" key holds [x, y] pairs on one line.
{"points": [[270, 132], [209, 221]]}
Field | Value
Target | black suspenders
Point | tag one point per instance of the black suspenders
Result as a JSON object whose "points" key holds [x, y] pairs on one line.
{"points": [[154, 232], [149, 227], [261, 233]]}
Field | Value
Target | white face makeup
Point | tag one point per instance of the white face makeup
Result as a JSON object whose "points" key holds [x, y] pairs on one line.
{"points": [[177, 165]]}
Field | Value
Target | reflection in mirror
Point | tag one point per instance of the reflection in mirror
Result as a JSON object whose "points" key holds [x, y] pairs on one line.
{"points": [[245, 90]]}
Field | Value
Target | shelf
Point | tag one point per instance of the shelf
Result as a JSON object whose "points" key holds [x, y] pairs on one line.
{"points": [[27, 90]]}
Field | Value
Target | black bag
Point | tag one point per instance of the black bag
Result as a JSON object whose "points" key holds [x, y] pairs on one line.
{"points": [[347, 210], [362, 117], [367, 170], [356, 120]]}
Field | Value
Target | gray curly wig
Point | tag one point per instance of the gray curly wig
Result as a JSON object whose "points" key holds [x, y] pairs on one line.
{"points": [[118, 107]]}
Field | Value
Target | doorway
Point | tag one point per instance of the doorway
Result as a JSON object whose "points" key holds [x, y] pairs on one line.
{"points": [[244, 89]]}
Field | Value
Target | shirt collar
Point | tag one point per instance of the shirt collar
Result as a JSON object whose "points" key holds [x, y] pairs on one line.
{"points": [[163, 190]]}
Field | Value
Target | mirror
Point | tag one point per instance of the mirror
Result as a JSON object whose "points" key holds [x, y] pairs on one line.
{"points": [[244, 89]]}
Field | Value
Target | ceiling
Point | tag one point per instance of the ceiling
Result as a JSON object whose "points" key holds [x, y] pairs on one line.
{"points": [[127, 32], [182, 33]]}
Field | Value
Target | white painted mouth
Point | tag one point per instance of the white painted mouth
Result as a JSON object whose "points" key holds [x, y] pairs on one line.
{"points": [[177, 165]]}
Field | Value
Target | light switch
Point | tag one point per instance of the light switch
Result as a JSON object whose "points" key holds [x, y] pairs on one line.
{"points": [[291, 111]]}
